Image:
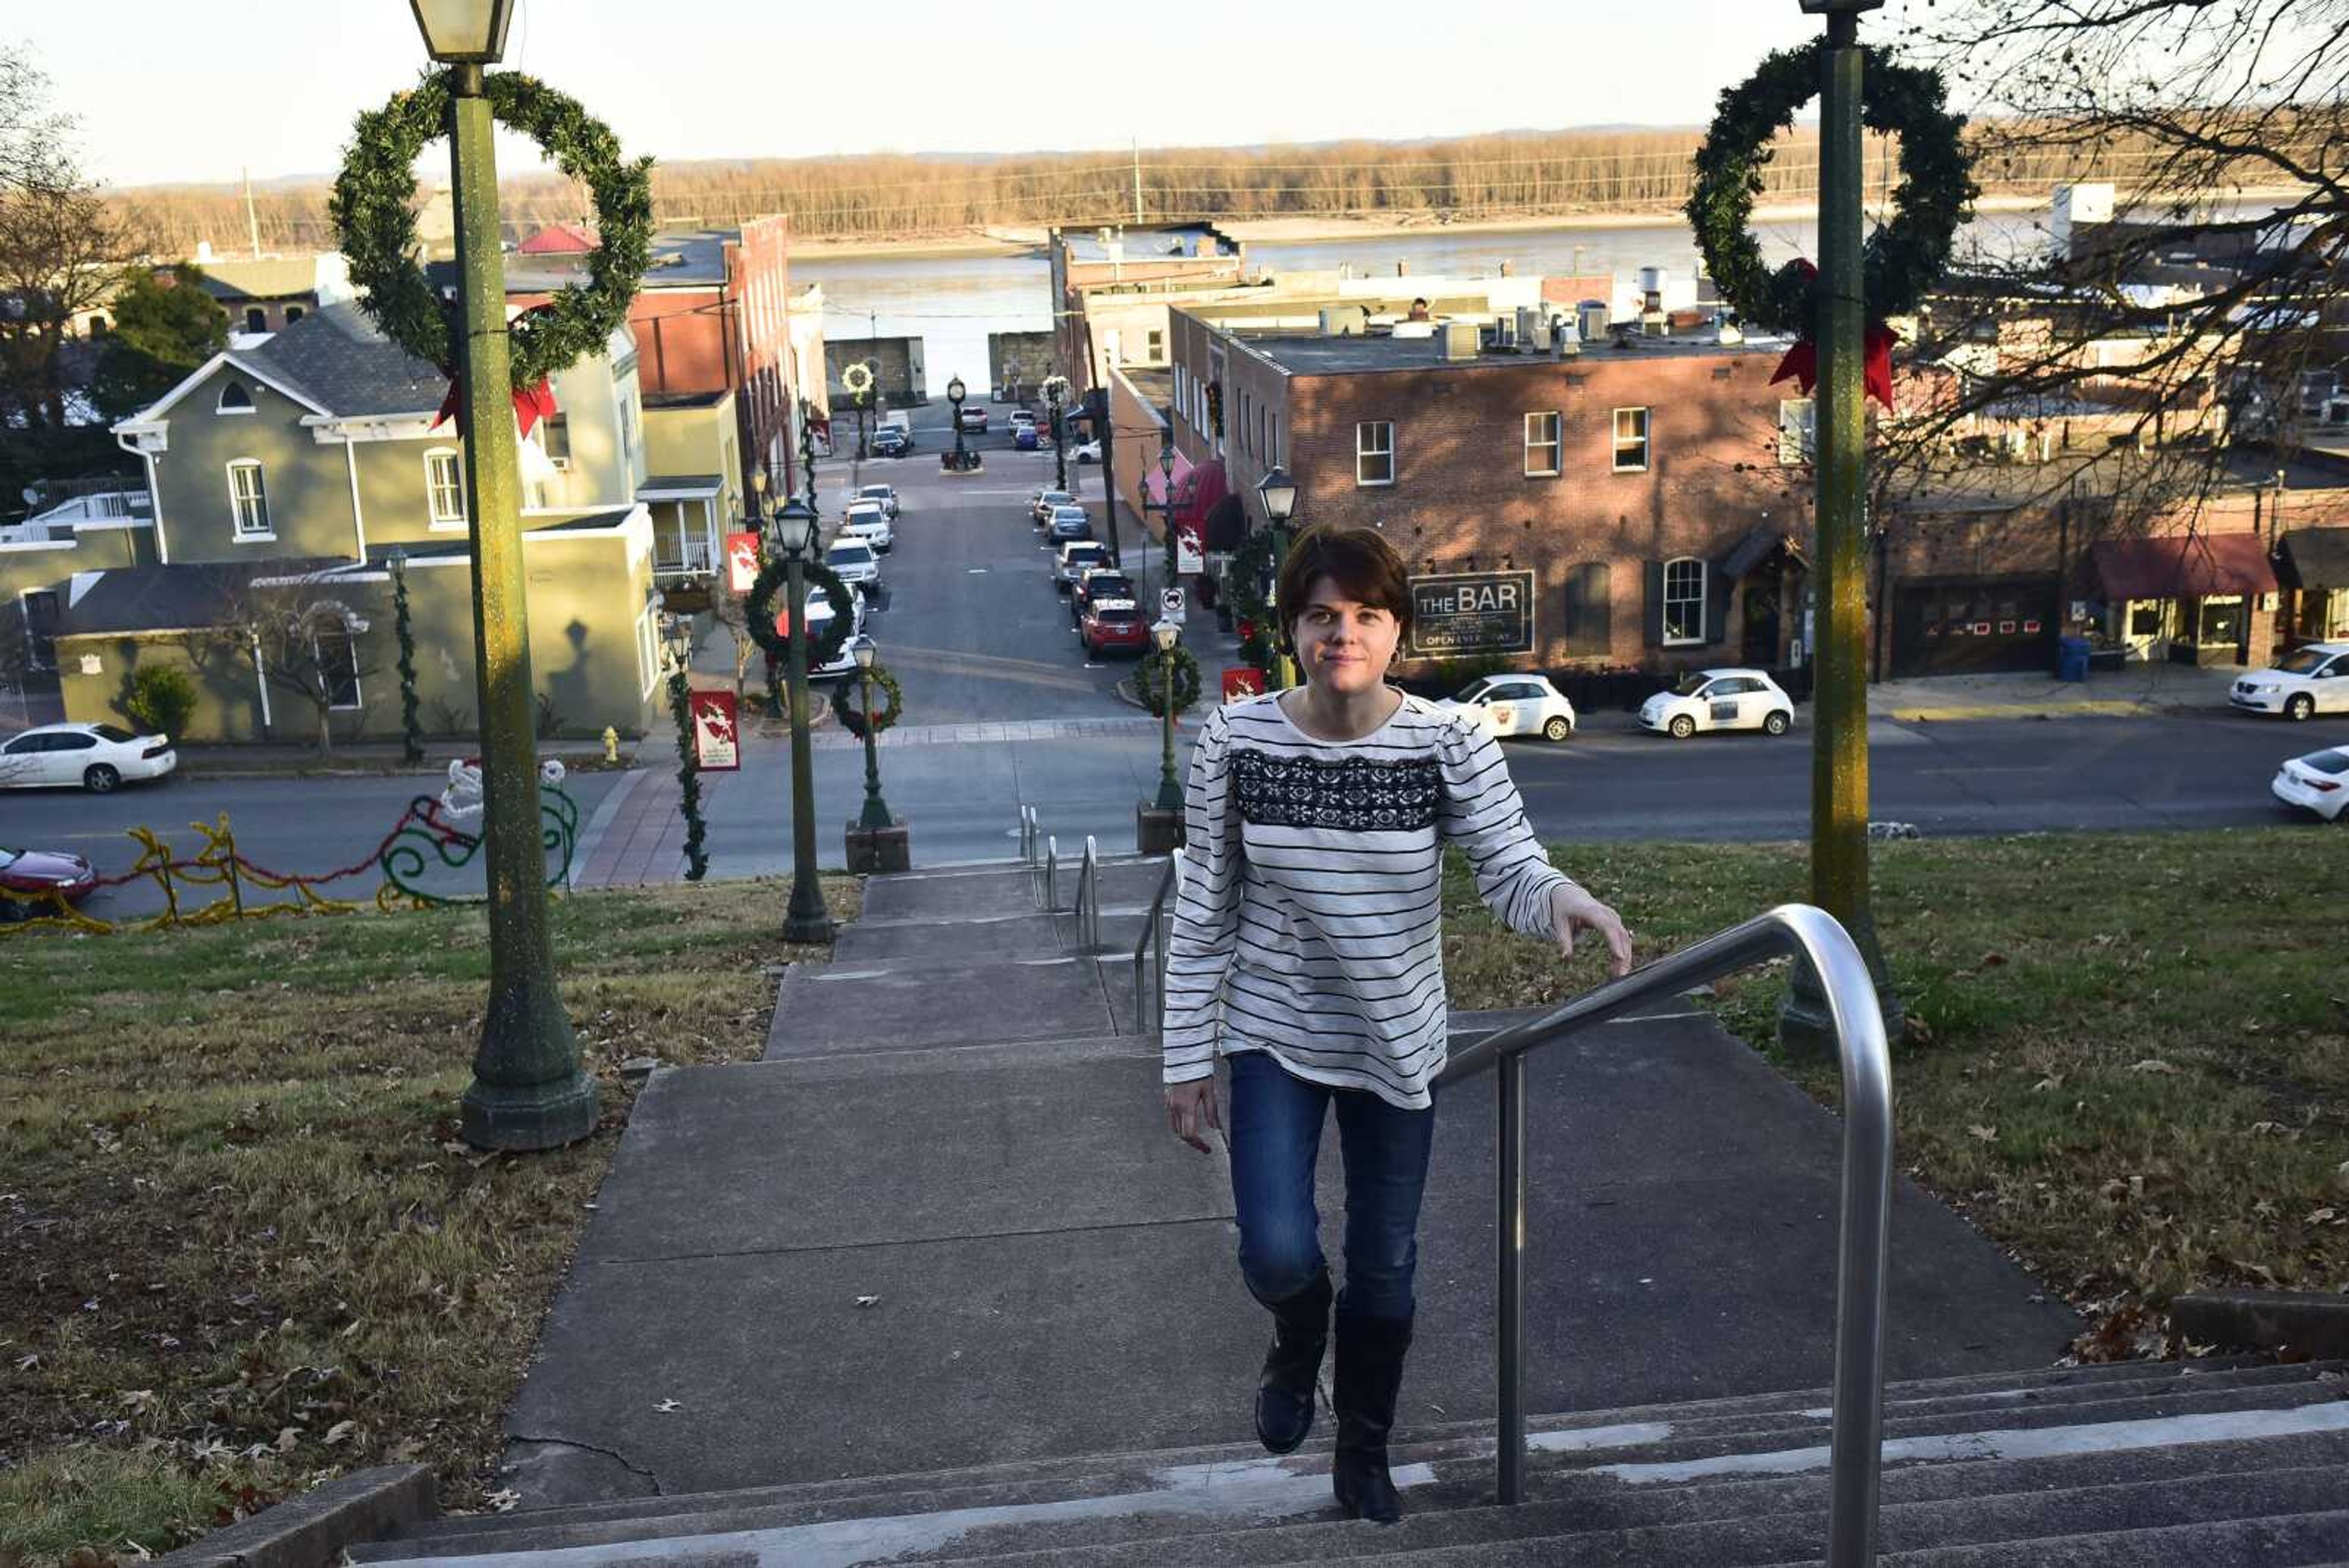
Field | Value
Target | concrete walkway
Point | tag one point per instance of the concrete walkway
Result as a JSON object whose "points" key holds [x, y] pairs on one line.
{"points": [[943, 1223]]}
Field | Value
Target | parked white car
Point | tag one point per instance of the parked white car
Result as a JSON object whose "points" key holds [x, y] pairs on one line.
{"points": [[1043, 500], [2318, 782], [1719, 700], [2308, 681], [855, 561], [1088, 451], [869, 521], [886, 494], [97, 757], [1515, 705]]}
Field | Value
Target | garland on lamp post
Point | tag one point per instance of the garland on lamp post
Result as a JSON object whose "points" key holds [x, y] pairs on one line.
{"points": [[1903, 260], [375, 222], [850, 713], [411, 732], [761, 608], [1150, 679], [688, 768]]}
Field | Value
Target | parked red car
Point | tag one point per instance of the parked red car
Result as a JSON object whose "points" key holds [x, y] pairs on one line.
{"points": [[1114, 623], [27, 877]]}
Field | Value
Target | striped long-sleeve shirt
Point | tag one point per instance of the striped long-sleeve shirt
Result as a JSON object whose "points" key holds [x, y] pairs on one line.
{"points": [[1307, 922]]}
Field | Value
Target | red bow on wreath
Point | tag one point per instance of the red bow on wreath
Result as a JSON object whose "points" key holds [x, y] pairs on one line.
{"points": [[531, 404], [1802, 361]]}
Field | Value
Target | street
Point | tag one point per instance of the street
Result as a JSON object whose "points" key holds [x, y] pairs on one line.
{"points": [[1002, 711]]}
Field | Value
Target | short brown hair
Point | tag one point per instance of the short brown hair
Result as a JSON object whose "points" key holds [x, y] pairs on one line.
{"points": [[1360, 561]]}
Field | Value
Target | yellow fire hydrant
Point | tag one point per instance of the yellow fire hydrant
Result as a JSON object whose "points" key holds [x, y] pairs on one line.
{"points": [[611, 745]]}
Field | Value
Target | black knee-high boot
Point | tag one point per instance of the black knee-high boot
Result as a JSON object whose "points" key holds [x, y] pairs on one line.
{"points": [[1362, 1396], [1284, 1395]]}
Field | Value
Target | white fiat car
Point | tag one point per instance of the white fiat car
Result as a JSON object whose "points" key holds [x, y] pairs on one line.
{"points": [[1514, 705], [2318, 782], [2308, 681], [1719, 700]]}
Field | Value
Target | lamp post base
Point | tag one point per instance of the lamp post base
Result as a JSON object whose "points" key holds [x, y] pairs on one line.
{"points": [[877, 851], [1157, 831], [1806, 1026], [528, 1115]]}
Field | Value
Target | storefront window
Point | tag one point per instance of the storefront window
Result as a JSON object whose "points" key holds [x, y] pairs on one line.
{"points": [[2221, 621], [2145, 619]]}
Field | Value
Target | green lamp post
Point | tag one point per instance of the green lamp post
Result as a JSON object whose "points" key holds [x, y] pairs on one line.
{"points": [[529, 1091], [1839, 870], [1166, 503], [1167, 635], [955, 392], [876, 810], [806, 920], [1056, 388], [1278, 493]]}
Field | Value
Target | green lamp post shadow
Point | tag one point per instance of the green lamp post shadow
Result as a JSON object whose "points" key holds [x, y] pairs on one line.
{"points": [[1277, 492], [1839, 869], [876, 810], [793, 530], [529, 1091]]}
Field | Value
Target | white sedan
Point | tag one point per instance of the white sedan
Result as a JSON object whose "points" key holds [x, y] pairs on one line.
{"points": [[1514, 705], [869, 521], [96, 756], [2318, 782], [1719, 700]]}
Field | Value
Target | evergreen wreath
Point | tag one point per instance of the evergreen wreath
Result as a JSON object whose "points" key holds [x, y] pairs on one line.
{"points": [[850, 712], [1150, 679], [375, 222], [761, 612], [1903, 259]]}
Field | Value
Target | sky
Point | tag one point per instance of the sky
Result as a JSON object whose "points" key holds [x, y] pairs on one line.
{"points": [[170, 93]]}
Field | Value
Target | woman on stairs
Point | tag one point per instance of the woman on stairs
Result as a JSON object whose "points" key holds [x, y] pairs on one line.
{"points": [[1306, 950]]}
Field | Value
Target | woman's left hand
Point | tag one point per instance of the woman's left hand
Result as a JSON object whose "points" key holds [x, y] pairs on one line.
{"points": [[1572, 909]]}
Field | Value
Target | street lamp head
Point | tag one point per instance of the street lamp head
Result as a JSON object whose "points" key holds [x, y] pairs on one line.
{"points": [[1163, 633], [865, 653], [1830, 7], [1166, 458], [464, 31], [1278, 493], [758, 481], [795, 525], [955, 390]]}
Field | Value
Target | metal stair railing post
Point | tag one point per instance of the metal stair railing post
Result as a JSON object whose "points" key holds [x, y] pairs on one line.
{"points": [[1089, 898], [1154, 932], [1807, 935], [1051, 874]]}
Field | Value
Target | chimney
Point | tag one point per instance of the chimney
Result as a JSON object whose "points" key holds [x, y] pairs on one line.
{"points": [[1402, 269]]}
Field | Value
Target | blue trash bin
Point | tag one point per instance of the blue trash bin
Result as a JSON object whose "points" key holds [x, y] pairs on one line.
{"points": [[2072, 657]]}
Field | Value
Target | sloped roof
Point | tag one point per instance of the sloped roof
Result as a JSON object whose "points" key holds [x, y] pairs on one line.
{"points": [[166, 599], [557, 239], [259, 278], [2319, 557], [348, 367]]}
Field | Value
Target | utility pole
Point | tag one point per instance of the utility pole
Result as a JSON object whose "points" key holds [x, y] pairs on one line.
{"points": [[251, 219], [1137, 182], [1839, 869]]}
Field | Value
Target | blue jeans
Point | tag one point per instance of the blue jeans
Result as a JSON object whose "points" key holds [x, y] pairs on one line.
{"points": [[1275, 1137]]}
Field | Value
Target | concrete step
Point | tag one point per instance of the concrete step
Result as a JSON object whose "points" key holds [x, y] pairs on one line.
{"points": [[953, 897], [1117, 1503], [1965, 1505], [2300, 1540], [1593, 1432]]}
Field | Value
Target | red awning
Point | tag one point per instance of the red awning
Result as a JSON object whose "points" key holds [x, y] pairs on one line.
{"points": [[2184, 567]]}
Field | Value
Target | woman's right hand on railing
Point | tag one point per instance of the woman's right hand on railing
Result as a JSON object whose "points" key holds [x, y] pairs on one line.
{"points": [[1191, 1110]]}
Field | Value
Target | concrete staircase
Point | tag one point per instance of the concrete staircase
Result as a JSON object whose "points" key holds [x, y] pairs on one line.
{"points": [[956, 1104], [2213, 1464]]}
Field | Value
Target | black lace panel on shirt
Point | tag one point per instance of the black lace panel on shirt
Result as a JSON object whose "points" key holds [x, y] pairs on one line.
{"points": [[1356, 795]]}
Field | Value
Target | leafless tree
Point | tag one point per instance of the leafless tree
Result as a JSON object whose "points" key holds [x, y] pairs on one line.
{"points": [[732, 611], [307, 641]]}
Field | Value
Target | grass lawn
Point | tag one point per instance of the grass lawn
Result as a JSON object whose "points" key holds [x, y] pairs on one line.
{"points": [[2129, 1062], [242, 1245]]}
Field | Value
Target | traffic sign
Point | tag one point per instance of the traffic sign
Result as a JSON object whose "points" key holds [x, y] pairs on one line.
{"points": [[1170, 603]]}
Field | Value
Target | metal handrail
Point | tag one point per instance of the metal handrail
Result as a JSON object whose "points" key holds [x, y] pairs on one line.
{"points": [[1154, 932], [1028, 835], [1089, 898], [1051, 874], [1808, 935]]}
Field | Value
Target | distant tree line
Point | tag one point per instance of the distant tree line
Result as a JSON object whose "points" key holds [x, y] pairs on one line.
{"points": [[884, 196]]}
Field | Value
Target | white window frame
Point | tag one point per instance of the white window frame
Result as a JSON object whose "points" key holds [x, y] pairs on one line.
{"points": [[263, 533], [1693, 564], [1552, 442], [1641, 443], [432, 490], [647, 653], [1798, 431], [252, 403], [1362, 429]]}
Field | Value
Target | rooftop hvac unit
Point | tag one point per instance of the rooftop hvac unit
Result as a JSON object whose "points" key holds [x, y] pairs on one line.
{"points": [[1653, 318], [1456, 340], [1344, 320], [1533, 329], [1565, 340], [1591, 319]]}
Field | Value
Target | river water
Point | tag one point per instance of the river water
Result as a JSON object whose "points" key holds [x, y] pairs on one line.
{"points": [[953, 303]]}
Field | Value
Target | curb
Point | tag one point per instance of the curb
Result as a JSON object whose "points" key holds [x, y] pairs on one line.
{"points": [[311, 1531], [2309, 1323]]}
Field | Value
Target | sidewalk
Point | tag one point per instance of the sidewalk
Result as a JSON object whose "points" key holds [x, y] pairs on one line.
{"points": [[380, 757], [2139, 691]]}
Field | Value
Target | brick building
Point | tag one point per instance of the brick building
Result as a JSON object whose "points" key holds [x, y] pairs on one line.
{"points": [[1635, 501]]}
